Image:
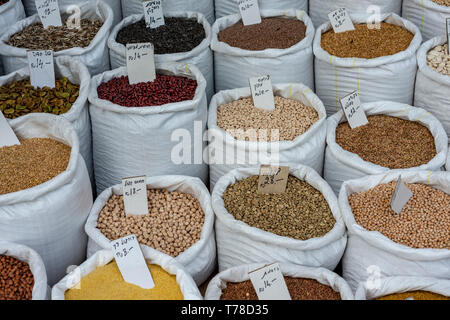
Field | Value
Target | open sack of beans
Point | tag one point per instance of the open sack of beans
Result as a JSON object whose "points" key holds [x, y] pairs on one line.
{"points": [[415, 242], [397, 137], [87, 44], [404, 288], [301, 226], [69, 99], [428, 15], [99, 278], [11, 11], [380, 63], [180, 222], [281, 46], [205, 7], [433, 80], [46, 194], [303, 283], [185, 38], [22, 273], [294, 132], [148, 128]]}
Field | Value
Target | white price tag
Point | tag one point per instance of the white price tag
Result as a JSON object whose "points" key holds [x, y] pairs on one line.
{"points": [[42, 68], [341, 21], [135, 195], [448, 34], [269, 283], [141, 62], [48, 11], [249, 12], [153, 13], [262, 93], [131, 262], [351, 104], [272, 179], [7, 136], [401, 196]]}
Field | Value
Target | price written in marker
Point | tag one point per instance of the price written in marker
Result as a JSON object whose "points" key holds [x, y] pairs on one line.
{"points": [[262, 93], [7, 135], [341, 21], [153, 13], [269, 283], [131, 262], [249, 10], [401, 196], [42, 69], [141, 62], [447, 23], [272, 179], [48, 11], [135, 195], [351, 105]]}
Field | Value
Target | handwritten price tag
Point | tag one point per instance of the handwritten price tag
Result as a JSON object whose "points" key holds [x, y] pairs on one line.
{"points": [[351, 104], [249, 12], [7, 135], [401, 196], [341, 21], [48, 11], [153, 13], [262, 93], [269, 283], [272, 179], [141, 62], [135, 195], [42, 69]]}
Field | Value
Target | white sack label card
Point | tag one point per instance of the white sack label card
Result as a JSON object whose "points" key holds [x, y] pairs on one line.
{"points": [[401, 196], [48, 11], [262, 92], [153, 13], [141, 62], [42, 68], [341, 21], [269, 283], [272, 179], [351, 105], [250, 13], [131, 262], [135, 195], [447, 23], [7, 136]]}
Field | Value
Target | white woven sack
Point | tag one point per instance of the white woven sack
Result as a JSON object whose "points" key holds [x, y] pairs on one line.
{"points": [[370, 254], [200, 259], [394, 285], [78, 115], [95, 56], [433, 88], [34, 261], [428, 16], [319, 9], [238, 243], [201, 56], [384, 78], [233, 66], [227, 7], [205, 7], [240, 274], [342, 165], [226, 153], [50, 217], [10, 13], [187, 285], [138, 141]]}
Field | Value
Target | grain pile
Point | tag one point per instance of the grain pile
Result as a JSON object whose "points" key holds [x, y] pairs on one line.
{"points": [[439, 60], [415, 295], [442, 2], [16, 279]]}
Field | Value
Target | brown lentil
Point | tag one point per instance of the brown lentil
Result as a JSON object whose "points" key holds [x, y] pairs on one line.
{"points": [[300, 213], [389, 142], [106, 283], [416, 295], [299, 289], [423, 223], [277, 33], [31, 163], [174, 222], [442, 2], [367, 43], [291, 118], [438, 59], [16, 279]]}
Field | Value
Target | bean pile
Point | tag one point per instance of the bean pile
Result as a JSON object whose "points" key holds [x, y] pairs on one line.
{"points": [[299, 289], [389, 142], [174, 222], [16, 279], [106, 283], [275, 33], [300, 213], [31, 163], [35, 37], [177, 35], [290, 118], [367, 43], [438, 59], [165, 89], [20, 98], [416, 295], [423, 223], [442, 2]]}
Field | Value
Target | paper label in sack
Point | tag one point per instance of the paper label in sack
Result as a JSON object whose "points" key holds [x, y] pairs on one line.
{"points": [[262, 92], [341, 21], [135, 195], [42, 68], [7, 136], [48, 11], [401, 196], [140, 62], [269, 283], [153, 12], [272, 179], [250, 13], [351, 104]]}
